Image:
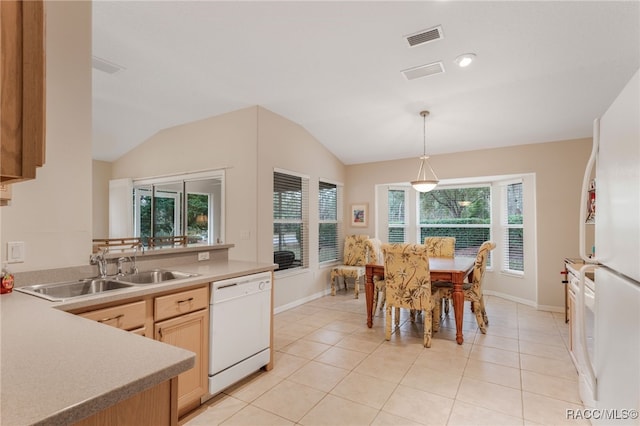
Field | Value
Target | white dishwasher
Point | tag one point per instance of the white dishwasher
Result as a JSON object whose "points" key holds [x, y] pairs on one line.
{"points": [[240, 328]]}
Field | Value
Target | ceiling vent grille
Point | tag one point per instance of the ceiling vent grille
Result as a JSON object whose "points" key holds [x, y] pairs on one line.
{"points": [[423, 71], [425, 36], [105, 66]]}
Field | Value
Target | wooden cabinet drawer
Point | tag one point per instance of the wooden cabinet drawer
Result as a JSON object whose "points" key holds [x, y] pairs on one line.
{"points": [[126, 317], [181, 303]]}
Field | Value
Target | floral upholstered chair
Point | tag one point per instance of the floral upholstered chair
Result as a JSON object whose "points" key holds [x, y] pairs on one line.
{"points": [[441, 246], [408, 284], [375, 256], [356, 256], [472, 290]]}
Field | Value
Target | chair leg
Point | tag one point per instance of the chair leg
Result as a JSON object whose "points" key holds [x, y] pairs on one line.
{"points": [[478, 311], [383, 298], [334, 277], [446, 306], [356, 284], [484, 312], [397, 319], [427, 327], [436, 315], [387, 330]]}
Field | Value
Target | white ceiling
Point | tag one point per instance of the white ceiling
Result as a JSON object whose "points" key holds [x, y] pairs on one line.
{"points": [[543, 72]]}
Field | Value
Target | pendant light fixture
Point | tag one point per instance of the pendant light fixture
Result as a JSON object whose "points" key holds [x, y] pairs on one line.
{"points": [[425, 182]]}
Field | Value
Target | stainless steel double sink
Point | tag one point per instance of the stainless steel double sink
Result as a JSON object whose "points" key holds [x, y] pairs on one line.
{"points": [[58, 292]]}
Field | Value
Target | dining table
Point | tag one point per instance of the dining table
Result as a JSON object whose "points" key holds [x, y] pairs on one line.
{"points": [[450, 269]]}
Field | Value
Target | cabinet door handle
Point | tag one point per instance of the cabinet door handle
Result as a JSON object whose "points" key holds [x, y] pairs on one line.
{"points": [[185, 300], [111, 318]]}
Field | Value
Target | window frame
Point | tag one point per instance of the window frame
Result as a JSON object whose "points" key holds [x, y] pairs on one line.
{"points": [[506, 227], [407, 200], [303, 221], [338, 221]]}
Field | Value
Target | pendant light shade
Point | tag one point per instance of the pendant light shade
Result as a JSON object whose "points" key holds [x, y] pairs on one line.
{"points": [[427, 179]]}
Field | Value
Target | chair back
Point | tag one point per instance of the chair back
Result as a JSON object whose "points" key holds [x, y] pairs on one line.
{"points": [[355, 250], [480, 265], [375, 250], [407, 276], [441, 246]]}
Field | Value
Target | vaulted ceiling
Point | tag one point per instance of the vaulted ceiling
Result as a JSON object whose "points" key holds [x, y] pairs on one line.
{"points": [[543, 70]]}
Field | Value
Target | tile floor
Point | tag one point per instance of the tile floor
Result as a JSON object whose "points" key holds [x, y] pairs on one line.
{"points": [[330, 369]]}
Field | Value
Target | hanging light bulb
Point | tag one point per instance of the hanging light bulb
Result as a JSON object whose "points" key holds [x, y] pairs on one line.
{"points": [[424, 182]]}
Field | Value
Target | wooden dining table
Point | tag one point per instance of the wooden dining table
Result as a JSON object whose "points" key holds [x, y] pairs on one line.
{"points": [[454, 270]]}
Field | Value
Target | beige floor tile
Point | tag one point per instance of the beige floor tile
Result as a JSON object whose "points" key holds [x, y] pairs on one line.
{"points": [[545, 351], [546, 338], [496, 356], [356, 343], [443, 361], [506, 343], [552, 367], [285, 364], [432, 379], [252, 416], [493, 373], [419, 406], [323, 335], [342, 358], [333, 410], [305, 349], [220, 409], [387, 419], [253, 386], [549, 411], [385, 368], [289, 400], [320, 376], [491, 396], [364, 389], [553, 387], [464, 414], [325, 346]]}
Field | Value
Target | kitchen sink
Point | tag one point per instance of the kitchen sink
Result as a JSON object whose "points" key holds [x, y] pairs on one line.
{"points": [[69, 290], [154, 276]]}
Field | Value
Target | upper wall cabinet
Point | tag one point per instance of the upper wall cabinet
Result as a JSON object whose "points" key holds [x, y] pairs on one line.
{"points": [[22, 89]]}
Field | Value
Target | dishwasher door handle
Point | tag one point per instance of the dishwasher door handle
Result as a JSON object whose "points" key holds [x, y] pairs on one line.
{"points": [[227, 286]]}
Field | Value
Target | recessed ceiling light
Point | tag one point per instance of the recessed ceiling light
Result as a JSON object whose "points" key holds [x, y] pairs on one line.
{"points": [[465, 59]]}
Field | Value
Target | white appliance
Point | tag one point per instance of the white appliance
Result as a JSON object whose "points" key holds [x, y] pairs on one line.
{"points": [[610, 375], [240, 329]]}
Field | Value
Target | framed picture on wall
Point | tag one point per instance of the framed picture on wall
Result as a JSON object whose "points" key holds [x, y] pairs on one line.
{"points": [[359, 214]]}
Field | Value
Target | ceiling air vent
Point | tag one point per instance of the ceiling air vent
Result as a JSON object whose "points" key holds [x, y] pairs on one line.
{"points": [[105, 66], [423, 71], [425, 36]]}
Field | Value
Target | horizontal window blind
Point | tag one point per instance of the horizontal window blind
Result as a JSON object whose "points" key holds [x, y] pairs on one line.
{"points": [[512, 222], [290, 220], [397, 215], [330, 222]]}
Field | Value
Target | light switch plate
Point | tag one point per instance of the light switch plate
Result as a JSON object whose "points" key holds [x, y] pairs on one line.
{"points": [[15, 252], [203, 255]]}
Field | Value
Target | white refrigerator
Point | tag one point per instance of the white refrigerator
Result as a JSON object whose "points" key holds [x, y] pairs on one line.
{"points": [[610, 377]]}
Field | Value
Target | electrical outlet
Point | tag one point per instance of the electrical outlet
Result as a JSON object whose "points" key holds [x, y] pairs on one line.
{"points": [[203, 255]]}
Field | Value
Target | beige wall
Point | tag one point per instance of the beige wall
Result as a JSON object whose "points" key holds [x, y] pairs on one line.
{"points": [[558, 169], [52, 214], [248, 144], [101, 173]]}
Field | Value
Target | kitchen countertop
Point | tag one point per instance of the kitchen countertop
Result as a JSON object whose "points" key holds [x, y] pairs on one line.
{"points": [[57, 368]]}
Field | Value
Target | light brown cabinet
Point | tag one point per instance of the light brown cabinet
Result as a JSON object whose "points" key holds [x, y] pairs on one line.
{"points": [[129, 316], [179, 319], [182, 319], [22, 89]]}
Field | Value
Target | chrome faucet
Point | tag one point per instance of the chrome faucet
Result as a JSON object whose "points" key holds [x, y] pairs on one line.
{"points": [[101, 261], [121, 261]]}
